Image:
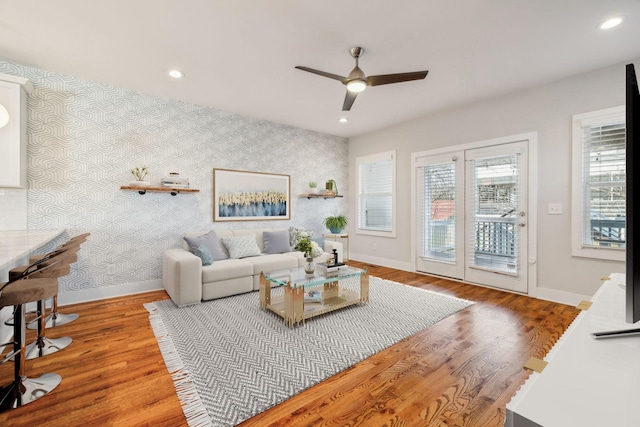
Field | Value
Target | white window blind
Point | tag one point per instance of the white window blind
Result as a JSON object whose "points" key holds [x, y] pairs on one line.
{"points": [[603, 180], [439, 207], [376, 194], [599, 147], [495, 212]]}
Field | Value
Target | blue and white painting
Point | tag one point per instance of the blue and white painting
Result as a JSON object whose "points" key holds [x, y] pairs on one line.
{"points": [[244, 196]]}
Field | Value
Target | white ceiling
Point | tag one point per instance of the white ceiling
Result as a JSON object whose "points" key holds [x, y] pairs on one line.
{"points": [[239, 56]]}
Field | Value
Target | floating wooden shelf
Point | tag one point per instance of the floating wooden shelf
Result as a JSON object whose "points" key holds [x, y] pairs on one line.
{"points": [[319, 196], [173, 191]]}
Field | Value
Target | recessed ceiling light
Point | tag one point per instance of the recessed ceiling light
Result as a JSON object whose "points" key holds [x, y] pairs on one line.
{"points": [[610, 23], [176, 74], [343, 120]]}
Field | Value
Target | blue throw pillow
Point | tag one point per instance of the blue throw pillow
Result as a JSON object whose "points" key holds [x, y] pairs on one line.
{"points": [[204, 254]]}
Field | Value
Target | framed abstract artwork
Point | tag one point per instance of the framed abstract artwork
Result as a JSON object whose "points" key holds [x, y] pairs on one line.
{"points": [[250, 196]]}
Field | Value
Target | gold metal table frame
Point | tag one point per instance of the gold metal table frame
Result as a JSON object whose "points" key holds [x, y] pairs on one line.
{"points": [[291, 305]]}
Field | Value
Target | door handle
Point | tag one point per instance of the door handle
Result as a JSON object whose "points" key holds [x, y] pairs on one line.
{"points": [[522, 224]]}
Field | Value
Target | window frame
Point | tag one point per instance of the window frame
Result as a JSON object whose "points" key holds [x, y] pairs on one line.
{"points": [[578, 227], [374, 158]]}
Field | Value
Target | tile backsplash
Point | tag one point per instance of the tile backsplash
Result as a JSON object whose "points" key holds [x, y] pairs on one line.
{"points": [[13, 209]]}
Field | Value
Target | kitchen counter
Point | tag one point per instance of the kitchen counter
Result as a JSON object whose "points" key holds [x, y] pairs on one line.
{"points": [[15, 245]]}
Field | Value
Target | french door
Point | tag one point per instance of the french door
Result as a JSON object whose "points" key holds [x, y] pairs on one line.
{"points": [[440, 196], [472, 215]]}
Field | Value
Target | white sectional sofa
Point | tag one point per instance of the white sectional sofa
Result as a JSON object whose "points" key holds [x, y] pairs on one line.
{"points": [[187, 281]]}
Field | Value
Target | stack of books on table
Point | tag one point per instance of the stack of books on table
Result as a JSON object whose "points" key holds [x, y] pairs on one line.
{"points": [[329, 270], [312, 296]]}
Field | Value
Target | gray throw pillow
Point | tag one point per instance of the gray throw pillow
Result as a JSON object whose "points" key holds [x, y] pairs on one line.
{"points": [[276, 242], [210, 240]]}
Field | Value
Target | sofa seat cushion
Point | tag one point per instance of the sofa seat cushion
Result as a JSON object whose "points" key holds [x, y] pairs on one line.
{"points": [[272, 262], [226, 288], [227, 269]]}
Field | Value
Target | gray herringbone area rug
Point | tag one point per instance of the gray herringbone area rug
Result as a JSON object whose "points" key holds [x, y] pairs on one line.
{"points": [[231, 360]]}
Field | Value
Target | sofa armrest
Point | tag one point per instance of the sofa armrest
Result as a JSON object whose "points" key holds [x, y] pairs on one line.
{"points": [[330, 245], [182, 276]]}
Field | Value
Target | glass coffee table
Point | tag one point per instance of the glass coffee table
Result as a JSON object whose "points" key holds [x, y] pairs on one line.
{"points": [[296, 296]]}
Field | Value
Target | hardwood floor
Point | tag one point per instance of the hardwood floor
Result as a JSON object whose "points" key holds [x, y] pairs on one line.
{"points": [[460, 372]]}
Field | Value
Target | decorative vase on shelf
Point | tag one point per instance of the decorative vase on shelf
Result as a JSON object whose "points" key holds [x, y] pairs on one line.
{"points": [[139, 173], [309, 266], [332, 188]]}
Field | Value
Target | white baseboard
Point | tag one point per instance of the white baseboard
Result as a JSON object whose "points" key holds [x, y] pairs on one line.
{"points": [[562, 297], [95, 294], [547, 294], [383, 262]]}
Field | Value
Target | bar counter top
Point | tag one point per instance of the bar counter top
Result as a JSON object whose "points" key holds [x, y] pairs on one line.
{"points": [[18, 244]]}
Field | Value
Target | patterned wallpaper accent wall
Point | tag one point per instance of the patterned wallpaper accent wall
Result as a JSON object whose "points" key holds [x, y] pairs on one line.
{"points": [[84, 137]]}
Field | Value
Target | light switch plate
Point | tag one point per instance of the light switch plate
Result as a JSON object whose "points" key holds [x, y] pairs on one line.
{"points": [[555, 209]]}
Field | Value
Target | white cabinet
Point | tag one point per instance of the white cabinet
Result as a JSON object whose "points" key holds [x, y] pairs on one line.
{"points": [[13, 135], [587, 382]]}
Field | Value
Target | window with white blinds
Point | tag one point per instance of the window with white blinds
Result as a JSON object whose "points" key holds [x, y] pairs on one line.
{"points": [[438, 202], [376, 194], [599, 147]]}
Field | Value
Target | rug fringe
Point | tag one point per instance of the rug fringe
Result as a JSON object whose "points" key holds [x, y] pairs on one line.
{"points": [[194, 410]]}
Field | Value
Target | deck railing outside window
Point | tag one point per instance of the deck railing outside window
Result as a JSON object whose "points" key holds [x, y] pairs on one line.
{"points": [[609, 232]]}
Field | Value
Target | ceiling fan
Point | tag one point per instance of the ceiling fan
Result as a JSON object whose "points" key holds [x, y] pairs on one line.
{"points": [[356, 82]]}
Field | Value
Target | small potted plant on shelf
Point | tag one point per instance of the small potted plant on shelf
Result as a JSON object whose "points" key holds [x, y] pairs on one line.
{"points": [[139, 174], [313, 187], [332, 188], [335, 223]]}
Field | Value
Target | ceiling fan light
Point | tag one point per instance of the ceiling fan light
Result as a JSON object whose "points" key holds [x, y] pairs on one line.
{"points": [[356, 86], [610, 23]]}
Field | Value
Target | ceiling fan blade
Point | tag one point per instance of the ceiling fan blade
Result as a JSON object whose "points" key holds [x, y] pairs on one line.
{"points": [[323, 74], [385, 79], [348, 100]]}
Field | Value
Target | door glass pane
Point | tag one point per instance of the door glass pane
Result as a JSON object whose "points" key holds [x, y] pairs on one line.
{"points": [[495, 213], [439, 212]]}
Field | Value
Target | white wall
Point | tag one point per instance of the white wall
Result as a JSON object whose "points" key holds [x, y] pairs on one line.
{"points": [[546, 110]]}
